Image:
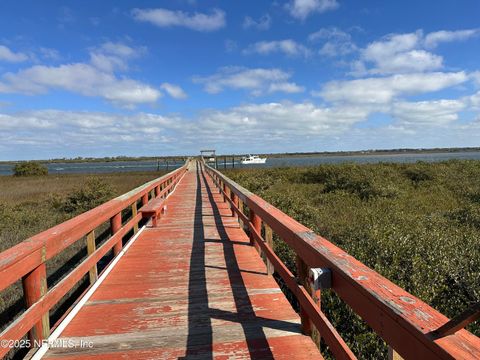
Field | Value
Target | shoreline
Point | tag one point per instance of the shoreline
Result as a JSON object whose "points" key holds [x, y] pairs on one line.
{"points": [[177, 159]]}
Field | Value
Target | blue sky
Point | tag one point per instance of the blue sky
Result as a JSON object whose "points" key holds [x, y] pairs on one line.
{"points": [[108, 78]]}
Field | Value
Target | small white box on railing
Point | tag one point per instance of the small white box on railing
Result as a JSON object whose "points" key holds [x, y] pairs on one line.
{"points": [[320, 278]]}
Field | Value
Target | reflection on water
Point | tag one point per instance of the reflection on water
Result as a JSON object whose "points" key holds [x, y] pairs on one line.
{"points": [[124, 166]]}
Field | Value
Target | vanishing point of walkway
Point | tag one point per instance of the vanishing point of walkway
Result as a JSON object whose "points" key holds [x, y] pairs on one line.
{"points": [[190, 288]]}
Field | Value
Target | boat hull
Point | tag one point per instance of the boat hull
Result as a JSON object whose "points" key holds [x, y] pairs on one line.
{"points": [[256, 161]]}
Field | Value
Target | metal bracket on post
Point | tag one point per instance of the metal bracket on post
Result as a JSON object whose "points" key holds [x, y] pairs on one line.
{"points": [[320, 278]]}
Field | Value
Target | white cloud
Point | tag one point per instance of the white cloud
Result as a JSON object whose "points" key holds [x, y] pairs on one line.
{"points": [[263, 23], [392, 44], [88, 121], [120, 49], [410, 61], [258, 81], [405, 53], [384, 90], [112, 56], [331, 48], [85, 131], [22, 120], [399, 53], [295, 125], [434, 112], [96, 78], [301, 9], [80, 78], [272, 122], [8, 55], [474, 101], [99, 78], [336, 42], [476, 77], [168, 18], [288, 47], [286, 87], [330, 33], [174, 91], [434, 38], [107, 63]]}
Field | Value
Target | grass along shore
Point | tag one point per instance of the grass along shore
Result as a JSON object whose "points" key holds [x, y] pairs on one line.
{"points": [[29, 205], [416, 224]]}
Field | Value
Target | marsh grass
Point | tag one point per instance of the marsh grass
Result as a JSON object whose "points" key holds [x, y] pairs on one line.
{"points": [[416, 224], [29, 205]]}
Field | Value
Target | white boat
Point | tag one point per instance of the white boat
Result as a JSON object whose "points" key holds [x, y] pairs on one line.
{"points": [[253, 159]]}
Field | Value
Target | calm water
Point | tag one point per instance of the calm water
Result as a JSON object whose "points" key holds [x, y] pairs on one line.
{"points": [[124, 166], [98, 167], [364, 159]]}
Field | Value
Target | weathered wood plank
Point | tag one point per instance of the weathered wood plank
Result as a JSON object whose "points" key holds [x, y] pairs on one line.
{"points": [[191, 287]]}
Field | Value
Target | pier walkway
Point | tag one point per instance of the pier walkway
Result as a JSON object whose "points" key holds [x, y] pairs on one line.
{"points": [[192, 287]]}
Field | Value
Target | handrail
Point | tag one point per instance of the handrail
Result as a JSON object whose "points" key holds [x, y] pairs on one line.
{"points": [[27, 259], [405, 322]]}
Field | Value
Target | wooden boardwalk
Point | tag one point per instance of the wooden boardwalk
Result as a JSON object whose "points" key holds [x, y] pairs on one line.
{"points": [[191, 288]]}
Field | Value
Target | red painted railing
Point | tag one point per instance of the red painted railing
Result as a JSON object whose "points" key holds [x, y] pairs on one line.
{"points": [[27, 260], [411, 327]]}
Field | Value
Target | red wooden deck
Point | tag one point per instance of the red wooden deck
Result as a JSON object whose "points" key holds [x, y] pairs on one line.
{"points": [[190, 288]]}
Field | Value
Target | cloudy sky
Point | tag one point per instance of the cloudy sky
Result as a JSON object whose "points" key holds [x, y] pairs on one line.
{"points": [[107, 78]]}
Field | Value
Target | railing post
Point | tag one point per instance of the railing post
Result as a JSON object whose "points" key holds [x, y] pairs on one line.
{"points": [[134, 213], [257, 225], [302, 273], [165, 186], [157, 190], [145, 199], [233, 197], [269, 241], [307, 327], [228, 196], [316, 336], [240, 208], [34, 287], [115, 225], [91, 247]]}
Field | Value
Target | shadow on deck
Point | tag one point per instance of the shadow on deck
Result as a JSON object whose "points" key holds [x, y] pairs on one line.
{"points": [[191, 288]]}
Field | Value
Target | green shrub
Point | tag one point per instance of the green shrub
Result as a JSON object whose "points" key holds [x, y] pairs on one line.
{"points": [[93, 193], [467, 215], [30, 168], [418, 173], [416, 224]]}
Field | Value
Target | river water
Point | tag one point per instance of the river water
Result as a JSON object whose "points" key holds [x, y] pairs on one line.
{"points": [[125, 166]]}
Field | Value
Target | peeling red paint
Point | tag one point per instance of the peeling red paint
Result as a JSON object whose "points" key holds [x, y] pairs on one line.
{"points": [[195, 273], [402, 320]]}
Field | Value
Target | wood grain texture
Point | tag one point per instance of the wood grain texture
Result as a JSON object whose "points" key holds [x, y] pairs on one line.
{"points": [[192, 287], [405, 322]]}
